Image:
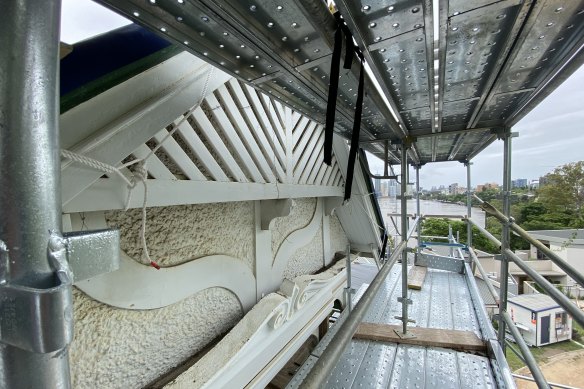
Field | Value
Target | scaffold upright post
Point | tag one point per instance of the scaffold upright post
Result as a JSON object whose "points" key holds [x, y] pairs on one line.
{"points": [[418, 208], [468, 204], [30, 200], [348, 288], [404, 229], [505, 234]]}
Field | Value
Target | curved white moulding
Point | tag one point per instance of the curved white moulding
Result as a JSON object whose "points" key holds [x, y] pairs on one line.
{"points": [[136, 286], [253, 352], [296, 240]]}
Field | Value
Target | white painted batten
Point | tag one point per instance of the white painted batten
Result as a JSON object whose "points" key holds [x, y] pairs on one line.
{"points": [[125, 133], [111, 193]]}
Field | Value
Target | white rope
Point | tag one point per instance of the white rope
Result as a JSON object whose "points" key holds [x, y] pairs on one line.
{"points": [[139, 173], [94, 163]]}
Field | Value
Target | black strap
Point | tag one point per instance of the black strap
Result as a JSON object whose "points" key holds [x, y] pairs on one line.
{"points": [[355, 136], [384, 245], [331, 106], [349, 46]]}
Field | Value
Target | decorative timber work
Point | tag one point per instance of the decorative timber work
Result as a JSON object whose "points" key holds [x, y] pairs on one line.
{"points": [[237, 145]]}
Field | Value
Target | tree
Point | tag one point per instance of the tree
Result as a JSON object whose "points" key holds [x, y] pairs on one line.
{"points": [[439, 227], [563, 192]]}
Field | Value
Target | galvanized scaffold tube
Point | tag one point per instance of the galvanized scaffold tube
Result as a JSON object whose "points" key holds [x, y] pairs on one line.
{"points": [[555, 258], [527, 356], [327, 361], [483, 274], [30, 200], [468, 205], [404, 228], [484, 232], [552, 291], [418, 208], [505, 234]]}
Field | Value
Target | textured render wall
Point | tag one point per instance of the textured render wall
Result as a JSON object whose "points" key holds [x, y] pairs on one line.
{"points": [[180, 234], [339, 240], [307, 259], [117, 348], [300, 216]]}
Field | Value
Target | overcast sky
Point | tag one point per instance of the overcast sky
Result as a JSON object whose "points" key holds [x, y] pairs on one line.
{"points": [[549, 136]]}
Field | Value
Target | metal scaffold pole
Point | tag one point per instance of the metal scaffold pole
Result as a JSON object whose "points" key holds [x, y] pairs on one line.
{"points": [[404, 229], [33, 353], [418, 211], [505, 235], [468, 205]]}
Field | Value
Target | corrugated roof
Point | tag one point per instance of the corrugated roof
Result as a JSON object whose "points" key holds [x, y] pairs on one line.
{"points": [[534, 302], [486, 296]]}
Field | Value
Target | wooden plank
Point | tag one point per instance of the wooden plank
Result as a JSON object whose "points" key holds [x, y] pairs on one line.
{"points": [[274, 117], [427, 337], [288, 127], [416, 277], [298, 129]]}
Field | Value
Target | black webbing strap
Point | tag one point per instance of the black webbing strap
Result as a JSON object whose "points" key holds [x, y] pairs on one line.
{"points": [[384, 245], [331, 106], [355, 135]]}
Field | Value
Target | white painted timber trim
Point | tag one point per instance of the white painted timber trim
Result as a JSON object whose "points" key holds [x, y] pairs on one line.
{"points": [[111, 193], [136, 286], [308, 301], [244, 132], [178, 156], [155, 167], [125, 132]]}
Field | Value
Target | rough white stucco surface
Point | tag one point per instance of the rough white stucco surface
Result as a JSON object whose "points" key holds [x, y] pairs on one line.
{"points": [[339, 240], [179, 234], [307, 259], [300, 216], [116, 348]]}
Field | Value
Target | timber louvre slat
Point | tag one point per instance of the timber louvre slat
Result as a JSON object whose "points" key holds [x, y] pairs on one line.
{"points": [[215, 140], [229, 131], [192, 139], [266, 146], [427, 337], [308, 158], [154, 166], [240, 125], [265, 124], [179, 156]]}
